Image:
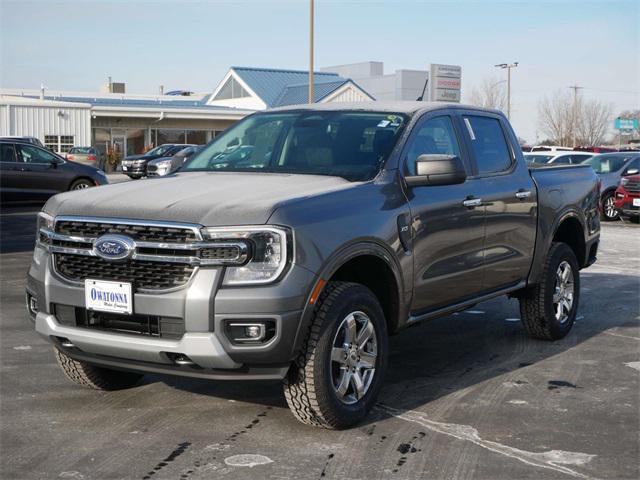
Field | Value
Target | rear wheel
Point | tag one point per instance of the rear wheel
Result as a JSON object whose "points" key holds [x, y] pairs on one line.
{"points": [[94, 377], [548, 309], [609, 211], [81, 184], [336, 378]]}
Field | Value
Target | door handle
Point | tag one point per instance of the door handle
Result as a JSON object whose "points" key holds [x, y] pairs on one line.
{"points": [[522, 194], [472, 202]]}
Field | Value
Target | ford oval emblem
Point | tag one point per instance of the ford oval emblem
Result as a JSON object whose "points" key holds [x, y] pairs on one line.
{"points": [[114, 247]]}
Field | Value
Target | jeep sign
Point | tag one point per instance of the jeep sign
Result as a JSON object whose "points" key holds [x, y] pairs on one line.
{"points": [[445, 83]]}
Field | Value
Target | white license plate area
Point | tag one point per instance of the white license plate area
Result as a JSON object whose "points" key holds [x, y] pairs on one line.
{"points": [[636, 202], [104, 296], [124, 169]]}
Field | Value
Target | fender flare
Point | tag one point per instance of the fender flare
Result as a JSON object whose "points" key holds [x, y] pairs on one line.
{"points": [[336, 260]]}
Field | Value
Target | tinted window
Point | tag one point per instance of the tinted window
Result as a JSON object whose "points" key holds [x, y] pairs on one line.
{"points": [[434, 136], [537, 159], [7, 153], [633, 165], [488, 144], [29, 154], [352, 145]]}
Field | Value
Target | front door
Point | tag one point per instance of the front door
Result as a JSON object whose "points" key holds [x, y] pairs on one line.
{"points": [[509, 198], [448, 230], [41, 175]]}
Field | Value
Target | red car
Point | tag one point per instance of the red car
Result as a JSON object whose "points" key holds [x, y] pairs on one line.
{"points": [[627, 199]]}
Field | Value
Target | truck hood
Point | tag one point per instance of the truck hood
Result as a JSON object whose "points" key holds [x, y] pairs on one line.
{"points": [[207, 198]]}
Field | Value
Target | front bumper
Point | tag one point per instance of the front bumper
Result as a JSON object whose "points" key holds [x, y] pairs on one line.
{"points": [[624, 203], [205, 309], [136, 170]]}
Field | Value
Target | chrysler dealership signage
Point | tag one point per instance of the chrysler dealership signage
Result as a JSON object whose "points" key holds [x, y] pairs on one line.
{"points": [[445, 83]]}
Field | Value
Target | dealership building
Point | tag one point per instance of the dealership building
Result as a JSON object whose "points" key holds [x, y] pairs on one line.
{"points": [[127, 124]]}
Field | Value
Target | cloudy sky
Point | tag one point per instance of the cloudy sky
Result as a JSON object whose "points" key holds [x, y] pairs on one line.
{"points": [[190, 45]]}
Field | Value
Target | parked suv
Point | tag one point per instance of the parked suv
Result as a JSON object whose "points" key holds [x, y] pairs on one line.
{"points": [[628, 197], [135, 166], [166, 165], [338, 225], [32, 173]]}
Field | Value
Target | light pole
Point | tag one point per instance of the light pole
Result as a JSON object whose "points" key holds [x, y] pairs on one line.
{"points": [[311, 94], [574, 112], [508, 66]]}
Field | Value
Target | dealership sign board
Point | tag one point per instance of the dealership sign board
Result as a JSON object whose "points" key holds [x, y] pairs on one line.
{"points": [[626, 124], [445, 83]]}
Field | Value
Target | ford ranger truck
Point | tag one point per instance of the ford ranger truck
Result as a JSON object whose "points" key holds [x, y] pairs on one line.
{"points": [[294, 244]]}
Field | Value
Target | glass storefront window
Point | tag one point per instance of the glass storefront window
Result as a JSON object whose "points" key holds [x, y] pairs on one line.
{"points": [[169, 136], [197, 137], [135, 142]]}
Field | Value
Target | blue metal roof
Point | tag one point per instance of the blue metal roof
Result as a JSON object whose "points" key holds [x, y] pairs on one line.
{"points": [[297, 94], [128, 102], [275, 86]]}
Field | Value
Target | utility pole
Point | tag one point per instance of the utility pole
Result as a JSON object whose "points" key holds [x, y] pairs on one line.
{"points": [[311, 94], [574, 113], [508, 66]]}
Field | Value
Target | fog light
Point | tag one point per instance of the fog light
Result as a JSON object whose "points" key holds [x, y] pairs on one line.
{"points": [[32, 305], [252, 331]]}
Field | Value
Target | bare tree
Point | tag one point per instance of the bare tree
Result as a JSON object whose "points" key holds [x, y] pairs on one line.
{"points": [[593, 122], [561, 119], [555, 115], [490, 94]]}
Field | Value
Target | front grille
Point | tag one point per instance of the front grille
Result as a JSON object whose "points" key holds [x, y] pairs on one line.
{"points": [[143, 275], [149, 325], [221, 253], [632, 187], [143, 233]]}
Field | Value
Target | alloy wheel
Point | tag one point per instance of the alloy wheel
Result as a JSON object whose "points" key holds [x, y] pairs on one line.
{"points": [[353, 357], [564, 292], [610, 207]]}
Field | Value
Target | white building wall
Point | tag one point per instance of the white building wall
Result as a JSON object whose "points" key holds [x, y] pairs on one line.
{"points": [[35, 120], [346, 94]]}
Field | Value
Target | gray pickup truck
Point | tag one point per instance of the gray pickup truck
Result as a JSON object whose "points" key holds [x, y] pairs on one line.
{"points": [[296, 242]]}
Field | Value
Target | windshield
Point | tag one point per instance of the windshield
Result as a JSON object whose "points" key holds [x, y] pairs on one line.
{"points": [[352, 145], [538, 159], [159, 150], [607, 163]]}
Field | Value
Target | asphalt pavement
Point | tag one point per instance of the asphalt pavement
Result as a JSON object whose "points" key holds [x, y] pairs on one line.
{"points": [[466, 396]]}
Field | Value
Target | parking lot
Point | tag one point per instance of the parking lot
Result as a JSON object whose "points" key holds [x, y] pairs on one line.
{"points": [[468, 395]]}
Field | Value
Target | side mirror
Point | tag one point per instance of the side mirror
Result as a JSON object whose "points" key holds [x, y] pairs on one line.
{"points": [[437, 170], [631, 171]]}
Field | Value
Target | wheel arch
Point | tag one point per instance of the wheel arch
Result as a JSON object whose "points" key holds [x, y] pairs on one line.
{"points": [[571, 230], [81, 177]]}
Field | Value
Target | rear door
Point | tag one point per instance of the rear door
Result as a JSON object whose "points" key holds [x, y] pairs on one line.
{"points": [[509, 198], [447, 234]]}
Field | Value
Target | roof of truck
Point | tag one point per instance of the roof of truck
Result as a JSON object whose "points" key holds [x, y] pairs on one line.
{"points": [[376, 106]]}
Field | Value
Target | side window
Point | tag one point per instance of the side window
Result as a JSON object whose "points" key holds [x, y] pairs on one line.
{"points": [[488, 143], [29, 154], [434, 136], [633, 165], [562, 160], [7, 153]]}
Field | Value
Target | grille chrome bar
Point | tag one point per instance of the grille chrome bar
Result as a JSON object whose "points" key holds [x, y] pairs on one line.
{"points": [[199, 249]]}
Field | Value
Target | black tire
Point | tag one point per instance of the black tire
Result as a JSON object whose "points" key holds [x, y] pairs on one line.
{"points": [[606, 199], [81, 184], [537, 302], [309, 387], [94, 377]]}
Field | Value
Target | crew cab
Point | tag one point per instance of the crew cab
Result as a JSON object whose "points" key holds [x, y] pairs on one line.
{"points": [[338, 226]]}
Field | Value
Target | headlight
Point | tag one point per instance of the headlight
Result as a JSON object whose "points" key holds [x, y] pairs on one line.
{"points": [[624, 181], [269, 253], [44, 223]]}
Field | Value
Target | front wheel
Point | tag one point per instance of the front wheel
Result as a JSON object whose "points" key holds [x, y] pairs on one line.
{"points": [[548, 309], [91, 376], [81, 184], [609, 211], [335, 380]]}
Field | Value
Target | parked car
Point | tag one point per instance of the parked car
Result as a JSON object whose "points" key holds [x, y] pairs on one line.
{"points": [[627, 197], [85, 155], [536, 159], [611, 167], [550, 148], [135, 166], [31, 140], [32, 173], [166, 165], [345, 223]]}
